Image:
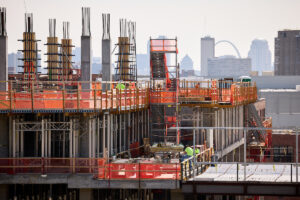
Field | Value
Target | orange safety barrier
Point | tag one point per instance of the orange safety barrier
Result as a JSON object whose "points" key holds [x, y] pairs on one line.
{"points": [[123, 171], [163, 97], [37, 99], [97, 166], [59, 100]]}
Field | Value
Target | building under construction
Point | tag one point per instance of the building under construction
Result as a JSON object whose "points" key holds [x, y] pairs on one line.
{"points": [[66, 136]]}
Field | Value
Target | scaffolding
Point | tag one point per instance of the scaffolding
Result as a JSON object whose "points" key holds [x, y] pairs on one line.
{"points": [[126, 62], [30, 52], [53, 55], [66, 54], [164, 90]]}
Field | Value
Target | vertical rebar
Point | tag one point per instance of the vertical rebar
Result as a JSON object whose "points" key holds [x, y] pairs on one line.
{"points": [[28, 22], [106, 26], [66, 26], [52, 27], [86, 28], [3, 21]]}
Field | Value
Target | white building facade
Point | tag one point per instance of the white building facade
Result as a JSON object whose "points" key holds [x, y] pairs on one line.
{"points": [[228, 66], [207, 52]]}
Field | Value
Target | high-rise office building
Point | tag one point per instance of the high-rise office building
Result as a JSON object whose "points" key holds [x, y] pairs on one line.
{"points": [[187, 66], [207, 51], [260, 55], [287, 53]]}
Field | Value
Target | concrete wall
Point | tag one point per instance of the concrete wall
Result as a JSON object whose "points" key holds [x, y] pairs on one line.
{"points": [[276, 82], [228, 67], [283, 106]]}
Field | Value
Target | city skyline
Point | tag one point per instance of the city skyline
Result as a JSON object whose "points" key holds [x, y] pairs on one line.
{"points": [[238, 28]]}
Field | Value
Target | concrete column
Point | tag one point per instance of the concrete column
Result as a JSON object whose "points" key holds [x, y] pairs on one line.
{"points": [[42, 140], [76, 135], [106, 63], [10, 136], [129, 131], [231, 125], [47, 126], [226, 119], [202, 132], [49, 141], [14, 138], [133, 128], [111, 134], [90, 137], [94, 137], [108, 134], [71, 139], [86, 64], [124, 133], [103, 135], [144, 123], [234, 123], [148, 120], [241, 118], [86, 53], [216, 135], [3, 63], [197, 125], [223, 135], [98, 136]]}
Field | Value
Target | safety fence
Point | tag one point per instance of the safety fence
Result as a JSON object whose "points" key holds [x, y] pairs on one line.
{"points": [[70, 96], [122, 96], [96, 166], [217, 92], [211, 92]]}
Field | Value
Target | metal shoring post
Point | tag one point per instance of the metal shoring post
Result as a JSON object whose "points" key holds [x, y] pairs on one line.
{"points": [[194, 154], [297, 145], [245, 143]]}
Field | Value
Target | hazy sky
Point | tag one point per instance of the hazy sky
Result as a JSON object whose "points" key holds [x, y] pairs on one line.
{"points": [[239, 21]]}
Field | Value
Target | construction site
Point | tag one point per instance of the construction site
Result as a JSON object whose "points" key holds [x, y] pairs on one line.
{"points": [[64, 135]]}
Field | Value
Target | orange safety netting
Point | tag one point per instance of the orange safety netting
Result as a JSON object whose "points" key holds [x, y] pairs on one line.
{"points": [[61, 100], [97, 166], [164, 45]]}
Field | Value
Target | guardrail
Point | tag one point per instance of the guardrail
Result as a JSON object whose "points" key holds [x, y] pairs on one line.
{"points": [[261, 160], [211, 92], [71, 97], [98, 167], [187, 165]]}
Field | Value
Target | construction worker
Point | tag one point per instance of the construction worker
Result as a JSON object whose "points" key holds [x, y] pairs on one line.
{"points": [[120, 86], [189, 151]]}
